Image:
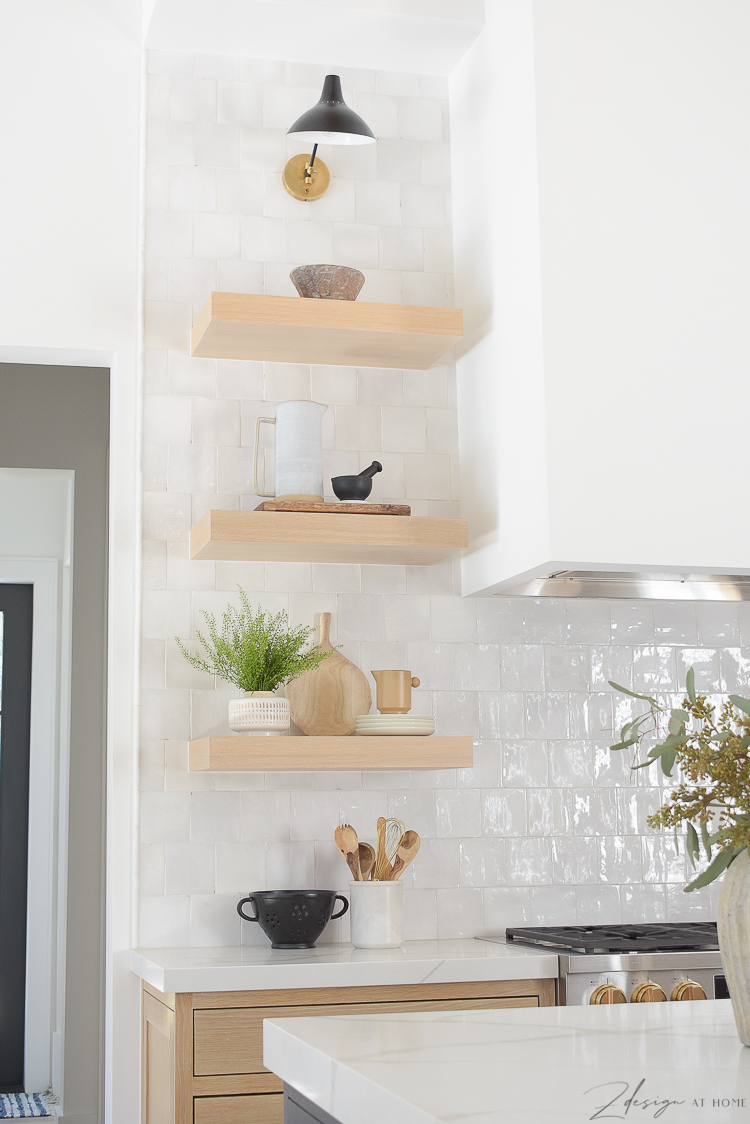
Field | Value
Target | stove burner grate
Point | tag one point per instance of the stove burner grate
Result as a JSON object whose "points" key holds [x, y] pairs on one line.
{"points": [[693, 936]]}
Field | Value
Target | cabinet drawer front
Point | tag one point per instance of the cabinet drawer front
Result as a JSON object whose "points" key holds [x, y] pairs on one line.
{"points": [[231, 1040], [259, 1109]]}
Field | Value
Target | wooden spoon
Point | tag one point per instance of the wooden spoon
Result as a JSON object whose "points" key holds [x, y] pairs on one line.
{"points": [[346, 840], [381, 859], [406, 852], [366, 860]]}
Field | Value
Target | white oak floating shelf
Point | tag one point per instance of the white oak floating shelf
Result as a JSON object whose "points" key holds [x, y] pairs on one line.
{"points": [[299, 536], [339, 333], [264, 754]]}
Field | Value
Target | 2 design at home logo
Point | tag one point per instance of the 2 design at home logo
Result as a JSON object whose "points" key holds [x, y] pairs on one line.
{"points": [[620, 1100]]}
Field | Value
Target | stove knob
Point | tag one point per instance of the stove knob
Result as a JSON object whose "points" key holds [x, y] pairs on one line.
{"points": [[608, 993], [688, 989], [648, 992]]}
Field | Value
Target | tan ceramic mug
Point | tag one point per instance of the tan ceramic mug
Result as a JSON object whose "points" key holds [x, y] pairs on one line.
{"points": [[394, 691]]}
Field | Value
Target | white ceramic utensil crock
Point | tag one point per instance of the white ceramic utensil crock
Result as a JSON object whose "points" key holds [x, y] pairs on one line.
{"points": [[377, 914], [259, 712], [298, 470]]}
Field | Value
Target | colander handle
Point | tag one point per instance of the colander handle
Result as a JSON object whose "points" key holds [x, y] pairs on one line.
{"points": [[339, 898], [244, 916]]}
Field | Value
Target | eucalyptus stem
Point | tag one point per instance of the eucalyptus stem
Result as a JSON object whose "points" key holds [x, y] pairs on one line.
{"points": [[713, 795]]}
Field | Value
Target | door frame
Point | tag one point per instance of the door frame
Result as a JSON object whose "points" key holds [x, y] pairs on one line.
{"points": [[46, 911], [121, 1060]]}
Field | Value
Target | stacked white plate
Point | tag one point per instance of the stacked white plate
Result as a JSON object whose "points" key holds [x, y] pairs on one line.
{"points": [[414, 725]]}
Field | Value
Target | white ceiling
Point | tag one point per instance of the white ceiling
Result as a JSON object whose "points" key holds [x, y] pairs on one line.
{"points": [[416, 36]]}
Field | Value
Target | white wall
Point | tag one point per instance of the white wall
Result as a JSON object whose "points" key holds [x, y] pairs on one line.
{"points": [[641, 134], [423, 36], [70, 120]]}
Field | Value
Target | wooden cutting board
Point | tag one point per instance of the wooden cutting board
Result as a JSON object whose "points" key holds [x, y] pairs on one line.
{"points": [[338, 508], [328, 699]]}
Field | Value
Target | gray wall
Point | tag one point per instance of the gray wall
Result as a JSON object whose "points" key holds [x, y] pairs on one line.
{"points": [[58, 417]]}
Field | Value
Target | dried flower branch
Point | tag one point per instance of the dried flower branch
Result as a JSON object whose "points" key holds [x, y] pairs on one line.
{"points": [[713, 755]]}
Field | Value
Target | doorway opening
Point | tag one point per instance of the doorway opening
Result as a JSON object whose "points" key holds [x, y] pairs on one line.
{"points": [[54, 437], [16, 623]]}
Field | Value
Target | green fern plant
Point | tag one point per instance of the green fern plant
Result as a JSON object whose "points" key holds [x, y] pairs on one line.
{"points": [[253, 650]]}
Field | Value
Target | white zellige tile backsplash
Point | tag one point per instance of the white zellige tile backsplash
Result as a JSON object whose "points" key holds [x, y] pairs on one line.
{"points": [[547, 826]]}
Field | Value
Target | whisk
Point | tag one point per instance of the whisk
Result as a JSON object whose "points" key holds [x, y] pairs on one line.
{"points": [[390, 834]]}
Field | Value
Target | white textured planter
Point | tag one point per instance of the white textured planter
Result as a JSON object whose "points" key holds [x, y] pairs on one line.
{"points": [[260, 712], [734, 940], [377, 914]]}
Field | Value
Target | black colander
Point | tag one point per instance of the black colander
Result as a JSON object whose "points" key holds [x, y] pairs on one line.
{"points": [[293, 918]]}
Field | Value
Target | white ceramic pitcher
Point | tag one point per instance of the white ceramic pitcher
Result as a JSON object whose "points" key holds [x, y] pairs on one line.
{"points": [[299, 452]]}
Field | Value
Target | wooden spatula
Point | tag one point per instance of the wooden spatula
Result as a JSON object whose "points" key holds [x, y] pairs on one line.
{"points": [[366, 860], [326, 701], [407, 850], [346, 840]]}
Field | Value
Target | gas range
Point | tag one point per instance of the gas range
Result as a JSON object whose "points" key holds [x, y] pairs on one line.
{"points": [[630, 963]]}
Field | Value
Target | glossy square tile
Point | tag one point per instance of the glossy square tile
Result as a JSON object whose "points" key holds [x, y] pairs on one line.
{"points": [[599, 905], [706, 664], [525, 764], [504, 812], [437, 865], [587, 622], [420, 915], [718, 623], [529, 862], [575, 861], [522, 667], [632, 622], [566, 667], [459, 913], [505, 906], [501, 715], [570, 764], [458, 813], [546, 715], [482, 862], [553, 905], [540, 811]]}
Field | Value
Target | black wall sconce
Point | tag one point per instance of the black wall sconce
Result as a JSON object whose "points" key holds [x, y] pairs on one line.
{"points": [[331, 121]]}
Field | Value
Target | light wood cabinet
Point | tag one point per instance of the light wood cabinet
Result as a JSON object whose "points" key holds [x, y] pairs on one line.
{"points": [[203, 1053], [261, 1109], [157, 1032]]}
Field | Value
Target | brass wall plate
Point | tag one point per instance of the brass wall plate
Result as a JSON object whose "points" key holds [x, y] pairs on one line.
{"points": [[294, 178]]}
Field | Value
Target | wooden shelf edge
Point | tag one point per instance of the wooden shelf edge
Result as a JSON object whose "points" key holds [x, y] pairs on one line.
{"points": [[297, 329], [321, 537], [300, 754]]}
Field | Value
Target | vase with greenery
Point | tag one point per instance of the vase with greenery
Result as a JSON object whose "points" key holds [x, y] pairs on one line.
{"points": [[258, 653], [710, 749]]}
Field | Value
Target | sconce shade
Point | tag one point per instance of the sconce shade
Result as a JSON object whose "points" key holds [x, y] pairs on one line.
{"points": [[331, 121]]}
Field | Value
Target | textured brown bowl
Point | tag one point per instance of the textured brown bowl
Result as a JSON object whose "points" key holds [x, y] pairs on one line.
{"points": [[328, 282]]}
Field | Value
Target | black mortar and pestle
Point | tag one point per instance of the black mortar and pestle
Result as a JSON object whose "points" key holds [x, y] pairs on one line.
{"points": [[355, 488]]}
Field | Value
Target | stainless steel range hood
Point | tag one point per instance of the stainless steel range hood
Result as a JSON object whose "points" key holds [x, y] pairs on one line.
{"points": [[660, 587]]}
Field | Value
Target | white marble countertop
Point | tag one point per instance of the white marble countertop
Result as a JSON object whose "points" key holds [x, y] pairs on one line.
{"points": [[681, 1063], [257, 968]]}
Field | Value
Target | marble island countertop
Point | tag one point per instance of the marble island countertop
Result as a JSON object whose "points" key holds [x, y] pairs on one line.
{"points": [[680, 1063], [256, 968]]}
